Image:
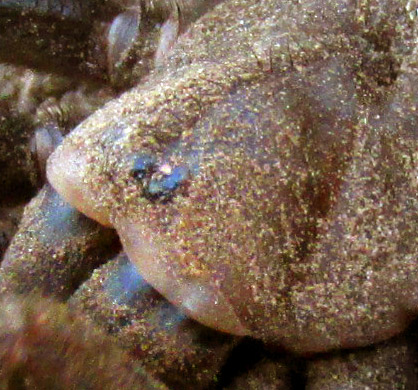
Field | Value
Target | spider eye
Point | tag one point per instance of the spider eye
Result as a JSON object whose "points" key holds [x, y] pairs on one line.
{"points": [[143, 165], [163, 187]]}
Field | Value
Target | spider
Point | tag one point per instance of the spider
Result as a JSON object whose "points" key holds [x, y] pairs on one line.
{"points": [[295, 129]]}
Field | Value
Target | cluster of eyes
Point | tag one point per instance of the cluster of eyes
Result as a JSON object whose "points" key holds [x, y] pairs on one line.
{"points": [[159, 181]]}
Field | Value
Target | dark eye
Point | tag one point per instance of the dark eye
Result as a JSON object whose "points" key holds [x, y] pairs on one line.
{"points": [[163, 187], [143, 165]]}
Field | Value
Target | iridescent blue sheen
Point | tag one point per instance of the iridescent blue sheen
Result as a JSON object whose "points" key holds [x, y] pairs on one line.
{"points": [[166, 185], [142, 165], [127, 284]]}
